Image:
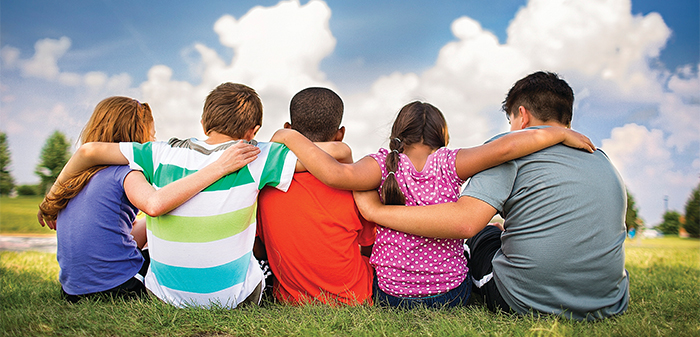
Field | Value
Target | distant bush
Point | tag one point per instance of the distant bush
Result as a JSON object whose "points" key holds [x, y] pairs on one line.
{"points": [[672, 221], [27, 189]]}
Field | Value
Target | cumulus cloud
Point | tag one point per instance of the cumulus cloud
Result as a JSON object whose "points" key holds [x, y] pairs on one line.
{"points": [[645, 163], [276, 50], [44, 63], [679, 110], [598, 38]]}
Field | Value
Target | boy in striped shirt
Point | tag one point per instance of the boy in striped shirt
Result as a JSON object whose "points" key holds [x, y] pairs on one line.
{"points": [[201, 252]]}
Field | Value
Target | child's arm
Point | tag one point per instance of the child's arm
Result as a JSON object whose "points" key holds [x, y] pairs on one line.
{"points": [[515, 145], [338, 150], [168, 197], [157, 202], [365, 174]]}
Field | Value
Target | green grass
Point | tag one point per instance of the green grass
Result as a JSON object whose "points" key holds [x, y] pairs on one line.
{"points": [[665, 294], [18, 215]]}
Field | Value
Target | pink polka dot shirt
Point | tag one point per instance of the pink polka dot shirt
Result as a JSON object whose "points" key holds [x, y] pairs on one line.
{"points": [[415, 266]]}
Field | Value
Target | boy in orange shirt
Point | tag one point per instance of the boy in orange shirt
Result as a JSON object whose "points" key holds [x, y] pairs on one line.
{"points": [[317, 242]]}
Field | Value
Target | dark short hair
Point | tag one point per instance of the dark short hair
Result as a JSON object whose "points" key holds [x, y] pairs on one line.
{"points": [[232, 109], [316, 113], [545, 95]]}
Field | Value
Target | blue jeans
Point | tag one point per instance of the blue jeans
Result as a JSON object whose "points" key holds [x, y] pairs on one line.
{"points": [[452, 298]]}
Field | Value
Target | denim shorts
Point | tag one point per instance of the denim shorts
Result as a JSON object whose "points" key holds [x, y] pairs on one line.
{"points": [[452, 298]]}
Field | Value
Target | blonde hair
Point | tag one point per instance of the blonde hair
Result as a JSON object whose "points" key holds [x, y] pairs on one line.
{"points": [[115, 119]]}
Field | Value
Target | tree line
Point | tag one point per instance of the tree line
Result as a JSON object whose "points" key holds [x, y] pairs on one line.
{"points": [[56, 152]]}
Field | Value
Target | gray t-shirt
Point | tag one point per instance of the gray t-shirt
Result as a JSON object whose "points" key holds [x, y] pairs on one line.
{"points": [[562, 250]]}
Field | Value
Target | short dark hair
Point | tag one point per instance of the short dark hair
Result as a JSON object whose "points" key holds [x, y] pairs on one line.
{"points": [[316, 113], [545, 95], [232, 109]]}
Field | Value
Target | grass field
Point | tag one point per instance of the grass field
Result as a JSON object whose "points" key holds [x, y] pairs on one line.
{"points": [[665, 293], [18, 215], [664, 290]]}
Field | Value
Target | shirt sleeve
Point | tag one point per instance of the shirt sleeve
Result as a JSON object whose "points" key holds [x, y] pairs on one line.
{"points": [[448, 162], [493, 186], [140, 157], [279, 166]]}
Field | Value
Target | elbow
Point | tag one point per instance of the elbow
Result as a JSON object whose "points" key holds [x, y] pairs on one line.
{"points": [[154, 210], [87, 151], [465, 230]]}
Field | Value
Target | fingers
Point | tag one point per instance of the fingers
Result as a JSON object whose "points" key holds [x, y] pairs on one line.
{"points": [[40, 217], [45, 223], [237, 156]]}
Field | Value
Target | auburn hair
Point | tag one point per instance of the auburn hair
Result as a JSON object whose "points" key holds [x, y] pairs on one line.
{"points": [[416, 123], [115, 119]]}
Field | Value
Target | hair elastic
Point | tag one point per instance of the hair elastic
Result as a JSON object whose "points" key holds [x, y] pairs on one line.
{"points": [[390, 173], [395, 150], [397, 139]]}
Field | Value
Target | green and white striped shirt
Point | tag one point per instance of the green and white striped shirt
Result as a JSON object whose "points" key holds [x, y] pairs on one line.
{"points": [[201, 252]]}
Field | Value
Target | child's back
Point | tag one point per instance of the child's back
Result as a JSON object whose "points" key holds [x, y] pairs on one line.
{"points": [[416, 266], [201, 252], [313, 233]]}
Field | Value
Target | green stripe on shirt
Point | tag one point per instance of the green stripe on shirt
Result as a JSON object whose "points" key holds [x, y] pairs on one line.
{"points": [[167, 173], [143, 156], [274, 164], [201, 229]]}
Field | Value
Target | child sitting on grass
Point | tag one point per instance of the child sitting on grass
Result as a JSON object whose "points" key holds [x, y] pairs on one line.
{"points": [[92, 209], [313, 234]]}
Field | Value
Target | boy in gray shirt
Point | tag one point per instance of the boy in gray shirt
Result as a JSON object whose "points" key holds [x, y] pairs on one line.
{"points": [[562, 250]]}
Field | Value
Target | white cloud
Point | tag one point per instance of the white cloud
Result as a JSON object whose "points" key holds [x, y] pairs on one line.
{"points": [[679, 110], [44, 63], [9, 56], [645, 163], [598, 38], [277, 51]]}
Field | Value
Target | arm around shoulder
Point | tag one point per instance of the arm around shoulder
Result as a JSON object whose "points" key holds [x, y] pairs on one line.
{"points": [[515, 145], [454, 220]]}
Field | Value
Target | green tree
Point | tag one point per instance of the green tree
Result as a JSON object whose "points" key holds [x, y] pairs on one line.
{"points": [[671, 223], [692, 213], [54, 155], [631, 219], [7, 183]]}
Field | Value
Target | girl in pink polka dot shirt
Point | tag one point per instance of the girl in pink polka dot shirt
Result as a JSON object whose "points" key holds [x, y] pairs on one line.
{"points": [[418, 170]]}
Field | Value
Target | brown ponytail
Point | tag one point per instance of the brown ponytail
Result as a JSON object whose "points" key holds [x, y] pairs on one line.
{"points": [[115, 119], [391, 192], [417, 122]]}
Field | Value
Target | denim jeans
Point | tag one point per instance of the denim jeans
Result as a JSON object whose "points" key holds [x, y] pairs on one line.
{"points": [[452, 298]]}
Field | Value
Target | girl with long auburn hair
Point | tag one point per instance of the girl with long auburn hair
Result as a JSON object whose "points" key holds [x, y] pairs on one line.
{"points": [[93, 209], [418, 169]]}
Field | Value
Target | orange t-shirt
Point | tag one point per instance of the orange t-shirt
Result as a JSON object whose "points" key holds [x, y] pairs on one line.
{"points": [[312, 234]]}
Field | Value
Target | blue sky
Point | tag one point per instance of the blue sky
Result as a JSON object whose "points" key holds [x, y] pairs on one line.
{"points": [[633, 66]]}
